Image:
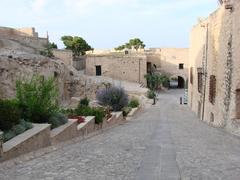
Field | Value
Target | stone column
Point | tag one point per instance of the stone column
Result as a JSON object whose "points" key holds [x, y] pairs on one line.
{"points": [[1, 143]]}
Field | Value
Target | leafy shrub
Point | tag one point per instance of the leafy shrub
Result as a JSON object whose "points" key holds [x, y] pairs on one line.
{"points": [[88, 111], [115, 97], [57, 119], [133, 103], [99, 115], [37, 98], [26, 124], [126, 111], [8, 135], [151, 94], [68, 112], [85, 101], [10, 114], [155, 81], [17, 129]]}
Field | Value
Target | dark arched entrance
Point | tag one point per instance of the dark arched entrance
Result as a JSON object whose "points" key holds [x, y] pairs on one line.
{"points": [[181, 82]]}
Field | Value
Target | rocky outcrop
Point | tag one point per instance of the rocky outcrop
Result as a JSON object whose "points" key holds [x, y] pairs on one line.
{"points": [[70, 83]]}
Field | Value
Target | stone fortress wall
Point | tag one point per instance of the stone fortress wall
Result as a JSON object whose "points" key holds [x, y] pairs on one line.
{"points": [[215, 52], [25, 36]]}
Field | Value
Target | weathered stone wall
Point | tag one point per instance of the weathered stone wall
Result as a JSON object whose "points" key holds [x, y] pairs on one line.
{"points": [[215, 47], [28, 31], [130, 67], [79, 63], [133, 66], [64, 55], [70, 83], [25, 36]]}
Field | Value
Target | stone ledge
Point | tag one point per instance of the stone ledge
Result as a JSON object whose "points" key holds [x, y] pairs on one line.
{"points": [[133, 112], [64, 132], [32, 139], [116, 118], [87, 127]]}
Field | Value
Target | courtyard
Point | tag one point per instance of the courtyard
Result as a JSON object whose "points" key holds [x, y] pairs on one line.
{"points": [[166, 141]]}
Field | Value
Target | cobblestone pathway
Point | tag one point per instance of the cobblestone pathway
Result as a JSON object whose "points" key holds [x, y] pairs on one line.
{"points": [[165, 142]]}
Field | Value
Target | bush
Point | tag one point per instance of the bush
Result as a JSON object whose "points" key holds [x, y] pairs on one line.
{"points": [[133, 103], [10, 114], [115, 97], [8, 135], [26, 124], [151, 94], [17, 129], [99, 113], [68, 112], [126, 111], [57, 119], [37, 98], [155, 81], [84, 102]]}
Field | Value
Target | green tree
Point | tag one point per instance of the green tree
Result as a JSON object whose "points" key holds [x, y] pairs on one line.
{"points": [[52, 46], [48, 50], [155, 81], [136, 43], [77, 44]]}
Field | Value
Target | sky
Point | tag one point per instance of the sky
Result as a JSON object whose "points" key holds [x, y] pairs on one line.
{"points": [[109, 23]]}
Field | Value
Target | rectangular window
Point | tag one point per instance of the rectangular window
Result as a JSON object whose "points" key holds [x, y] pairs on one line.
{"points": [[212, 89], [98, 70], [200, 80], [181, 66]]}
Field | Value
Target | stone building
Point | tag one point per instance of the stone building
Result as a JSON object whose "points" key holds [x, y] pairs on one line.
{"points": [[214, 75], [133, 65], [170, 61], [128, 67]]}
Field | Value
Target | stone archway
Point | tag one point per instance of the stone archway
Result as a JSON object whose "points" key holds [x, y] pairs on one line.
{"points": [[177, 81], [181, 82]]}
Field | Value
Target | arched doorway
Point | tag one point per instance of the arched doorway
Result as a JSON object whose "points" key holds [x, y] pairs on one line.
{"points": [[181, 82]]}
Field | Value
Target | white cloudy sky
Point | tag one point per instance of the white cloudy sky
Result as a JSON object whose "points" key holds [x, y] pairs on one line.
{"points": [[109, 23]]}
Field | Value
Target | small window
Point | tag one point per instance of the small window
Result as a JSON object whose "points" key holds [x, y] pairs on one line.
{"points": [[98, 70], [212, 89], [181, 66]]}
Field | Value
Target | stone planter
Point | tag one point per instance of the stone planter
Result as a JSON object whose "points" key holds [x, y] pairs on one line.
{"points": [[64, 132], [32, 139]]}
